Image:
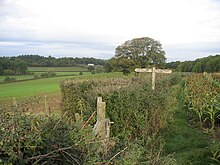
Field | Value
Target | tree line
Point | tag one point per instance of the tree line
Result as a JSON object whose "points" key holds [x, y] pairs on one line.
{"points": [[41, 61], [19, 65], [208, 64]]}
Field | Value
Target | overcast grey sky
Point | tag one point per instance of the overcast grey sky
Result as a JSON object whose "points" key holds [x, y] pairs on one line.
{"points": [[187, 29]]}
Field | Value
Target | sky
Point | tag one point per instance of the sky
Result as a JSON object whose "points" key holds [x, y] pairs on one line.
{"points": [[187, 29]]}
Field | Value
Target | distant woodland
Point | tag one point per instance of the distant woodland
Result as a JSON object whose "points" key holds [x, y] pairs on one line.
{"points": [[207, 64], [19, 65]]}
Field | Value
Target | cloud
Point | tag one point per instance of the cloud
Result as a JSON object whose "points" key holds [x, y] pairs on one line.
{"points": [[191, 51], [86, 27], [58, 49]]}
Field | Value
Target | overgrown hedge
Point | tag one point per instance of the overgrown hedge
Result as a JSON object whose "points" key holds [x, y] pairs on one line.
{"points": [[136, 110], [38, 139], [138, 114]]}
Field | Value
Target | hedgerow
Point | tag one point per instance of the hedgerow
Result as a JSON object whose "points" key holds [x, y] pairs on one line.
{"points": [[138, 112], [37, 139]]}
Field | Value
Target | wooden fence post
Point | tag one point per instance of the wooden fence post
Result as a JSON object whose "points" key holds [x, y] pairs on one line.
{"points": [[99, 128]]}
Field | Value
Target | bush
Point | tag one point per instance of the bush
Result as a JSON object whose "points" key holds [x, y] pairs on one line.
{"points": [[80, 73], [9, 79], [36, 139], [138, 113], [91, 68], [36, 76], [8, 72], [130, 100], [100, 69], [48, 74], [44, 75], [126, 71]]}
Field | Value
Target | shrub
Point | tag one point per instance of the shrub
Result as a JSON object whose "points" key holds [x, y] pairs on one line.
{"points": [[128, 100], [36, 139], [99, 69], [9, 79], [36, 76], [8, 72], [48, 74], [91, 68], [126, 71], [138, 112], [80, 73]]}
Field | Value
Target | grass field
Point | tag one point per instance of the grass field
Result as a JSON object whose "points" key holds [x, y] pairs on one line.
{"points": [[23, 77], [57, 69], [60, 71], [42, 86], [65, 73]]}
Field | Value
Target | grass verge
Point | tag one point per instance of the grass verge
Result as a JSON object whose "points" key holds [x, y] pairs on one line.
{"points": [[188, 145]]}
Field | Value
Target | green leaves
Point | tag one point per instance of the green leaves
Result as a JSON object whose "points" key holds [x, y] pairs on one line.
{"points": [[201, 97], [143, 51], [36, 139]]}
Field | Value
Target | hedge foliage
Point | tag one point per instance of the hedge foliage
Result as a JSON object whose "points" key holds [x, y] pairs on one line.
{"points": [[38, 139], [138, 112]]}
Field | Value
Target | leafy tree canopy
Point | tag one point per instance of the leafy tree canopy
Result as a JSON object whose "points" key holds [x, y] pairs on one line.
{"points": [[205, 64], [143, 51]]}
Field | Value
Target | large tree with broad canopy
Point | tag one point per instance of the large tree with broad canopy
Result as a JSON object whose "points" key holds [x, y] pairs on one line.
{"points": [[143, 51]]}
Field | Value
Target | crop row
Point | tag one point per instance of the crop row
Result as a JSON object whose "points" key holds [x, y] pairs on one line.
{"points": [[201, 97]]}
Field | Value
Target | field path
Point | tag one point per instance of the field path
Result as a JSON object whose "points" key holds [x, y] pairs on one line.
{"points": [[187, 144]]}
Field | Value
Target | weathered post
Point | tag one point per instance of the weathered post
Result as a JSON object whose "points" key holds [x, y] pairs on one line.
{"points": [[153, 77], [46, 104], [102, 126], [101, 117]]}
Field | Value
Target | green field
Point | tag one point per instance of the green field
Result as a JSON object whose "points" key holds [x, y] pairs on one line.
{"points": [[60, 71], [64, 73], [42, 86], [22, 77], [57, 69], [25, 77]]}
